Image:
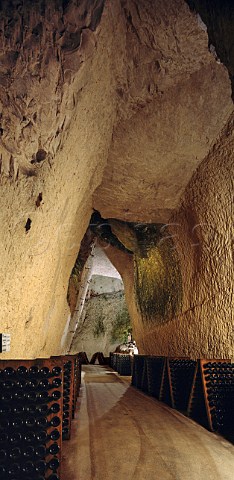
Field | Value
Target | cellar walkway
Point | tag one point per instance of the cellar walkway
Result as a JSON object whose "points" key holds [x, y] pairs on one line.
{"points": [[121, 434]]}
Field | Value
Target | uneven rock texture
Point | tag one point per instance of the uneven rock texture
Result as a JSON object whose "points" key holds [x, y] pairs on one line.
{"points": [[36, 265], [104, 307], [175, 103], [110, 105], [202, 229], [219, 19]]}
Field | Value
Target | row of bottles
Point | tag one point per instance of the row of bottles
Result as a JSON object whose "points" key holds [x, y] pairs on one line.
{"points": [[219, 392], [35, 398], [121, 363], [202, 389], [98, 357], [30, 423], [68, 394]]}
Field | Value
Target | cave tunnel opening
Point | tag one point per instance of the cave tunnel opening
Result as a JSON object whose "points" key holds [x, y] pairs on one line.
{"points": [[109, 245]]}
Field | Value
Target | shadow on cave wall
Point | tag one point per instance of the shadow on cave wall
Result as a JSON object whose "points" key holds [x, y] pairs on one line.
{"points": [[218, 16]]}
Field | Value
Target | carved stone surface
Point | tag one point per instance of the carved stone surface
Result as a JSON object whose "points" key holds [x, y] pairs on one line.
{"points": [[111, 105]]}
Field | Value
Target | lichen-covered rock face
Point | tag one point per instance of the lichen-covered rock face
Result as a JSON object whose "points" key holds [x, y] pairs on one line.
{"points": [[111, 105]]}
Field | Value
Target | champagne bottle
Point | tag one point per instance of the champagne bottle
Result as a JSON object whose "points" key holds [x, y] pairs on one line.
{"points": [[55, 421], [56, 371], [53, 464], [53, 449]]}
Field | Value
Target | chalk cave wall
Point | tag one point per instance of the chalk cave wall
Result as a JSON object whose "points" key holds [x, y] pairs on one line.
{"points": [[87, 337], [57, 99], [202, 230], [71, 78]]}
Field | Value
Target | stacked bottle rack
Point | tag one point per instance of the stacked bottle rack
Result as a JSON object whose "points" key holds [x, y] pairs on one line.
{"points": [[215, 379], [154, 367], [181, 373], [98, 357], [124, 364], [121, 363], [83, 358], [68, 395], [138, 370], [203, 389], [77, 382], [30, 419]]}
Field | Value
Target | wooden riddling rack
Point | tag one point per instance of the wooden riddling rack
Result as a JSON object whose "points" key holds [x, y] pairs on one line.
{"points": [[98, 357], [29, 396], [68, 394], [83, 358], [212, 395], [32, 406], [201, 389], [77, 383], [121, 363], [138, 370]]}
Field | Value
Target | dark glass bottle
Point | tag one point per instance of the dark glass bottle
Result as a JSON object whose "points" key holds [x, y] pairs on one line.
{"points": [[28, 468], [55, 421], [45, 372], [56, 371], [42, 397], [4, 424], [40, 466], [33, 383], [30, 422], [13, 470], [6, 397], [65, 431], [8, 384], [55, 408], [19, 396], [3, 438], [44, 384], [53, 449], [4, 409], [9, 372], [54, 435], [41, 436], [42, 422], [21, 384], [18, 409], [28, 452], [2, 470], [33, 371], [31, 409], [53, 464], [56, 383], [15, 453], [15, 438], [55, 395], [53, 477], [40, 451], [22, 370], [3, 456], [42, 410], [29, 437], [31, 396]]}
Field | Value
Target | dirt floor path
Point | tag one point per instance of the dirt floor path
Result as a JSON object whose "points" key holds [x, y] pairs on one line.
{"points": [[121, 434]]}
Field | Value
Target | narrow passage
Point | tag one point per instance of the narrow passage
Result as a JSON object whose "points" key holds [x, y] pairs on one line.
{"points": [[121, 434]]}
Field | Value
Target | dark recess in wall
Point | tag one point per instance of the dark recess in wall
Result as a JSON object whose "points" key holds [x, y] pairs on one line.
{"points": [[218, 15]]}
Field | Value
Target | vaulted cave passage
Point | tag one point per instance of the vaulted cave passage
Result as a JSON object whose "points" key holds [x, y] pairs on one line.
{"points": [[116, 215]]}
